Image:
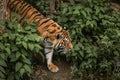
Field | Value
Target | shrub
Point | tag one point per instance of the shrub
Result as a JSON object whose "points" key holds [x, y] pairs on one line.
{"points": [[95, 30], [17, 46]]}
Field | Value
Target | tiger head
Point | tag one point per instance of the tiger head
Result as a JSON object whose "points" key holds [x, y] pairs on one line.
{"points": [[63, 42], [57, 35]]}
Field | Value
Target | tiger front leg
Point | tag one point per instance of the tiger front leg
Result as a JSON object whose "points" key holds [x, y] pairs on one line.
{"points": [[49, 53]]}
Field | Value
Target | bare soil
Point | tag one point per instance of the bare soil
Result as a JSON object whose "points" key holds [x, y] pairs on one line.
{"points": [[41, 72]]}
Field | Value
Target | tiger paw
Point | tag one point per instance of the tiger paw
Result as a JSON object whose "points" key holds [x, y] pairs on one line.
{"points": [[53, 68]]}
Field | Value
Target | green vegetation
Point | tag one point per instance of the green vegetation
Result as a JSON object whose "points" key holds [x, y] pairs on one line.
{"points": [[17, 46], [95, 30]]}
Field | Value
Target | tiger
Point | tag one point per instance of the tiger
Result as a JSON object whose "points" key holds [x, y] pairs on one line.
{"points": [[55, 37]]}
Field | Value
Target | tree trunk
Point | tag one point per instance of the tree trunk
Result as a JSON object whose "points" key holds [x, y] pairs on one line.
{"points": [[3, 10], [52, 6], [3, 13]]}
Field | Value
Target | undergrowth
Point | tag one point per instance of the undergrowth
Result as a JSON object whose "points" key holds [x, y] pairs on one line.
{"points": [[17, 46]]}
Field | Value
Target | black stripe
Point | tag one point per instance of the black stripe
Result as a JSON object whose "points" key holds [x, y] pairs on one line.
{"points": [[47, 43], [41, 19], [25, 4], [15, 7], [44, 21], [26, 9], [47, 26], [53, 31], [25, 13], [34, 12], [11, 5], [21, 6], [48, 52], [34, 18], [48, 47]]}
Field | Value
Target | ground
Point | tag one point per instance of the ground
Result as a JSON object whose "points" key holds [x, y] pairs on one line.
{"points": [[41, 71]]}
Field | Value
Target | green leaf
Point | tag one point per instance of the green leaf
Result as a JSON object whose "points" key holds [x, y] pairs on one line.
{"points": [[17, 77], [14, 48], [1, 38], [2, 69], [3, 63], [88, 22], [38, 46], [24, 45], [18, 66], [22, 71], [64, 10], [27, 61], [38, 38], [31, 46], [37, 50], [2, 46], [77, 12], [3, 56], [81, 53], [27, 68], [84, 13], [97, 10], [77, 47], [25, 38], [33, 30], [10, 77], [8, 50], [5, 35], [2, 79], [28, 28], [2, 75], [18, 54], [12, 58], [19, 28], [72, 2]]}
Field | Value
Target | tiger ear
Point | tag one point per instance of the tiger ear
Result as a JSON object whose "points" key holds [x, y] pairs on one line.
{"points": [[64, 28], [59, 36]]}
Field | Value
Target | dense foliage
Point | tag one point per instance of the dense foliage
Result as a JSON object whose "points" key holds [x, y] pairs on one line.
{"points": [[17, 46], [96, 47], [95, 30]]}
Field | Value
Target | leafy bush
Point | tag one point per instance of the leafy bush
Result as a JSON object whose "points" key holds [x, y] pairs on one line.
{"points": [[95, 30], [17, 46]]}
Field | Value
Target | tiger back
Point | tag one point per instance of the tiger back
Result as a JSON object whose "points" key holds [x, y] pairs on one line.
{"points": [[55, 37]]}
